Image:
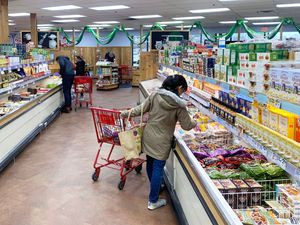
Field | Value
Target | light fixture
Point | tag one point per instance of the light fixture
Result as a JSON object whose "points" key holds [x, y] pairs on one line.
{"points": [[110, 7], [145, 16], [189, 18], [72, 30], [170, 22], [65, 21], [288, 5], [151, 25], [45, 25], [18, 14], [96, 26], [11, 24], [10, 21], [266, 23], [210, 10], [263, 18], [45, 28], [62, 7], [185, 26], [106, 22], [69, 16], [128, 28], [231, 22]]}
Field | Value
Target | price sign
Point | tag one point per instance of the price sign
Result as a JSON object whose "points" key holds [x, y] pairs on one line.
{"points": [[282, 163]]}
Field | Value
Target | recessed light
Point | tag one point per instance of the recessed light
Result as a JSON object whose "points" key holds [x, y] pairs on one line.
{"points": [[45, 25], [145, 16], [69, 16], [209, 10], [111, 7], [128, 28], [170, 22], [288, 5], [231, 22], [185, 26], [72, 30], [62, 7], [266, 23], [18, 14], [65, 21], [263, 18], [11, 24], [151, 25], [189, 18], [106, 22]]}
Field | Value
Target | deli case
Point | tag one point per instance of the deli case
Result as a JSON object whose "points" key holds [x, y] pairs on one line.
{"points": [[198, 198]]}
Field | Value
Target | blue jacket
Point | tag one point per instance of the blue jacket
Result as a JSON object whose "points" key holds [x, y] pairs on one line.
{"points": [[66, 66]]}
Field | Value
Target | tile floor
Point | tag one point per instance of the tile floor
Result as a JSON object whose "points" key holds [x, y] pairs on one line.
{"points": [[50, 182]]}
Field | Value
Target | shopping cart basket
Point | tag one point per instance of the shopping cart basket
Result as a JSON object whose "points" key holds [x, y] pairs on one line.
{"points": [[108, 123], [83, 88]]}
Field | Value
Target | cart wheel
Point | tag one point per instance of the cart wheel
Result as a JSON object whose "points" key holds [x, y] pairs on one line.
{"points": [[138, 169], [122, 184], [95, 175]]}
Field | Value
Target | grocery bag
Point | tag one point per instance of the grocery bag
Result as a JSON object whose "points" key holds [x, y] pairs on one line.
{"points": [[131, 139]]}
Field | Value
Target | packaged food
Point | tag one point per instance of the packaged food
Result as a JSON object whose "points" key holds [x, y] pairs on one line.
{"points": [[255, 189], [242, 195], [229, 192], [218, 185]]}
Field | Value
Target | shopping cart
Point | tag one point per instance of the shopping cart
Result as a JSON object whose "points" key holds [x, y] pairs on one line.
{"points": [[83, 88], [125, 73], [108, 123]]}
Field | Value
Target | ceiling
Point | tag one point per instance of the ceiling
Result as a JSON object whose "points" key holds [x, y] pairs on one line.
{"points": [[166, 8]]}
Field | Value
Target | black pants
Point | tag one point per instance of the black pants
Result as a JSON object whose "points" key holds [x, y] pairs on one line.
{"points": [[67, 82]]}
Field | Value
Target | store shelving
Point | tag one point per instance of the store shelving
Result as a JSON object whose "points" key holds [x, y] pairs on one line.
{"points": [[19, 66], [108, 77]]}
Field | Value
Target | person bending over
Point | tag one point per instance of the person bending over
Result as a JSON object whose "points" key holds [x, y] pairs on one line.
{"points": [[165, 109]]}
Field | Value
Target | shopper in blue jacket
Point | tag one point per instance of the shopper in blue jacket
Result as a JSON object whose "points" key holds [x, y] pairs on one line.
{"points": [[67, 74]]}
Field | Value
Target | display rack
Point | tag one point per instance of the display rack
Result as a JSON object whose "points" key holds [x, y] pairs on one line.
{"points": [[19, 66], [108, 77]]}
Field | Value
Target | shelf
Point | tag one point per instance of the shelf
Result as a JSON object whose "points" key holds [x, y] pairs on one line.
{"points": [[19, 66], [16, 85]]}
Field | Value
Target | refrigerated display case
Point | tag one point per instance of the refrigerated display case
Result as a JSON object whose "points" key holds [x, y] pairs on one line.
{"points": [[27, 106], [195, 196]]}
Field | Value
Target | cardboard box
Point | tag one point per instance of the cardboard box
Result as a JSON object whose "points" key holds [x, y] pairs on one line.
{"points": [[217, 71], [223, 73], [220, 56], [242, 194], [229, 192], [254, 197]]}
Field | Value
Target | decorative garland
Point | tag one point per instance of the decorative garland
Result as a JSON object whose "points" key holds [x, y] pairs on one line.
{"points": [[239, 24]]}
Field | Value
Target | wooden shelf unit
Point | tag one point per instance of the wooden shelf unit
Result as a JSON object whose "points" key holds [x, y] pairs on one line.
{"points": [[110, 73]]}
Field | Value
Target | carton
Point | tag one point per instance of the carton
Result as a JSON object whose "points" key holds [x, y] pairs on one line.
{"points": [[244, 65], [226, 57], [229, 192], [254, 197], [244, 57], [252, 57], [273, 118], [217, 71], [242, 194], [232, 80], [223, 73], [220, 56]]}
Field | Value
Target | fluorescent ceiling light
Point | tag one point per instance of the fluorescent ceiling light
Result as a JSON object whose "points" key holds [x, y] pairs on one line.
{"points": [[263, 18], [106, 22], [170, 22], [95, 26], [185, 26], [189, 18], [210, 10], [231, 22], [151, 25], [288, 5], [65, 21], [72, 30], [45, 25], [45, 28], [145, 16], [69, 16], [129, 28], [18, 14], [10, 21], [11, 24], [63, 7], [111, 7], [266, 23]]}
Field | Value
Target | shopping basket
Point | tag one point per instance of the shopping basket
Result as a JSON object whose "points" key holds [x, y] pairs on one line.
{"points": [[108, 123], [125, 73], [83, 88]]}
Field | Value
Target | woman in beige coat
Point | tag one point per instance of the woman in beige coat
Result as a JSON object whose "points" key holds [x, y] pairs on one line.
{"points": [[165, 109]]}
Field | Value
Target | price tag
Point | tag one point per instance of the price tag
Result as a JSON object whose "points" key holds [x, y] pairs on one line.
{"points": [[282, 163]]}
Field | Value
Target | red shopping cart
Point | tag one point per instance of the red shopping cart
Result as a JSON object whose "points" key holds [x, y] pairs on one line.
{"points": [[83, 87], [108, 123]]}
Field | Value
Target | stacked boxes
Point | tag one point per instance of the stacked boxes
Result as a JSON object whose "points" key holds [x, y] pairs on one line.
{"points": [[289, 197]]}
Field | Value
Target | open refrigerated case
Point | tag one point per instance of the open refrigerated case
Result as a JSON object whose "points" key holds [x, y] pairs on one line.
{"points": [[30, 98], [200, 199]]}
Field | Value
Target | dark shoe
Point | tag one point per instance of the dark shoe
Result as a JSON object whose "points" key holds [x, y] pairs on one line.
{"points": [[65, 110]]}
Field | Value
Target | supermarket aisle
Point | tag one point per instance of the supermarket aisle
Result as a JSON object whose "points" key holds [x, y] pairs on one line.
{"points": [[50, 182]]}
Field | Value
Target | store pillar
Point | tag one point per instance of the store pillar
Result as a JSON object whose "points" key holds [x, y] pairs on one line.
{"points": [[34, 33], [4, 34]]}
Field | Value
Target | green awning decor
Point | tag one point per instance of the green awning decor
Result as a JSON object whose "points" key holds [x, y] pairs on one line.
{"points": [[109, 38], [239, 24]]}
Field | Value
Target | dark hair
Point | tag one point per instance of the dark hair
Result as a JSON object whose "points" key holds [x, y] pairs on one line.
{"points": [[171, 83], [79, 57]]}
